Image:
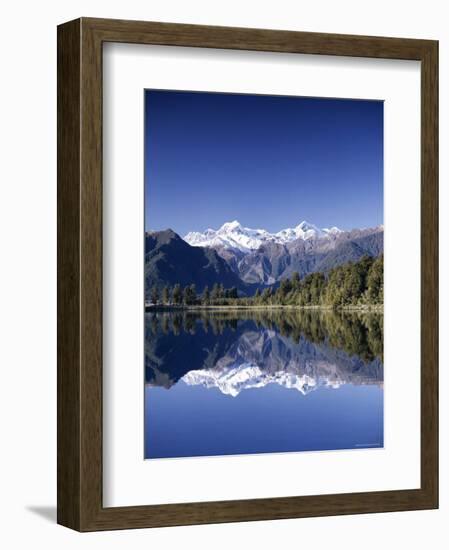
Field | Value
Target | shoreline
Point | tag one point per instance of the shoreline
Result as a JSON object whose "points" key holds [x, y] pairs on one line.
{"points": [[365, 308]]}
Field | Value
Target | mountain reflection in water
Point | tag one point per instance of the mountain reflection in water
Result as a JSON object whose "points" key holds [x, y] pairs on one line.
{"points": [[232, 369]]}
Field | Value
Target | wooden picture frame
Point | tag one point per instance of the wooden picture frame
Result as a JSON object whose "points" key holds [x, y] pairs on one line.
{"points": [[80, 504]]}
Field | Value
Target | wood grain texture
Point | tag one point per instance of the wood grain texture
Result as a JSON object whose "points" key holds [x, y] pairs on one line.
{"points": [[429, 271], [69, 407], [80, 274]]}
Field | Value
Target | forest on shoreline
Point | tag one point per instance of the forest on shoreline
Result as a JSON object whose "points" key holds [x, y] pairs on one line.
{"points": [[357, 333], [352, 285]]}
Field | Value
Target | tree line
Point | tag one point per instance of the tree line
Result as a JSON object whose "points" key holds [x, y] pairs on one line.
{"points": [[354, 283], [357, 283], [356, 333], [177, 295]]}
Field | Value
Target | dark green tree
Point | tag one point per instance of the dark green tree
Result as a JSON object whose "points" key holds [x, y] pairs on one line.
{"points": [[215, 294], [189, 295], [375, 282], [205, 298], [295, 281], [154, 295], [266, 295], [221, 291], [177, 294], [193, 296], [284, 288], [166, 295]]}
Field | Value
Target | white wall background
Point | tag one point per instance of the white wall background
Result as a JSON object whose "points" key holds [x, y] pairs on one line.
{"points": [[28, 272]]}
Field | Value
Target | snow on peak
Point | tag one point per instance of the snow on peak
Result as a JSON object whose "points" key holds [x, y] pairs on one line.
{"points": [[230, 226], [332, 230], [306, 226], [306, 230], [235, 378], [232, 235]]}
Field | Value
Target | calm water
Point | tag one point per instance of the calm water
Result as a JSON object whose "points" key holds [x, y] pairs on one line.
{"points": [[220, 383]]}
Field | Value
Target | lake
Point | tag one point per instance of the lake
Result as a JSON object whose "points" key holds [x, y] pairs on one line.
{"points": [[262, 381]]}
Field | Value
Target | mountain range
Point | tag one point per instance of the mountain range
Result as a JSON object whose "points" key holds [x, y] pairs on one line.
{"points": [[233, 236], [263, 357], [247, 258], [249, 356]]}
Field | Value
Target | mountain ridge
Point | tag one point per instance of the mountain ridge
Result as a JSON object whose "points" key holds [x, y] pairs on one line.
{"points": [[232, 235], [170, 259]]}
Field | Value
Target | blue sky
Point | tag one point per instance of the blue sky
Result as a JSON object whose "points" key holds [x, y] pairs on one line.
{"points": [[267, 161]]}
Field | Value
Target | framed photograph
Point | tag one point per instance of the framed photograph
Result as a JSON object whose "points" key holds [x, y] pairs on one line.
{"points": [[247, 274]]}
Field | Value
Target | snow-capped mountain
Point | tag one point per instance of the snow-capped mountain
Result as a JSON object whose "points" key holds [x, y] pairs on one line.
{"points": [[258, 358], [233, 236], [238, 256], [255, 353], [230, 235], [234, 379]]}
